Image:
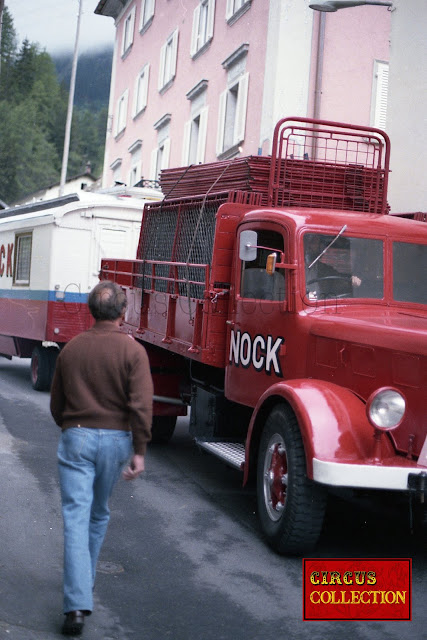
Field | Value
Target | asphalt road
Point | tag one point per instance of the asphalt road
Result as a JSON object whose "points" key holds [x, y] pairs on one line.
{"points": [[184, 558]]}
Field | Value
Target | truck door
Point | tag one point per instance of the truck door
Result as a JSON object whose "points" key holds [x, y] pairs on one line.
{"points": [[258, 316]]}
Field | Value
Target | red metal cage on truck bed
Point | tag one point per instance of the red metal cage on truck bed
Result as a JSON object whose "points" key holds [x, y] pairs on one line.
{"points": [[185, 248]]}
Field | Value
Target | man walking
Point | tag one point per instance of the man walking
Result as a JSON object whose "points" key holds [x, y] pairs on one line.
{"points": [[101, 397]]}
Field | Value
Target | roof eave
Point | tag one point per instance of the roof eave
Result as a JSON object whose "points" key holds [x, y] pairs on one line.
{"points": [[111, 8]]}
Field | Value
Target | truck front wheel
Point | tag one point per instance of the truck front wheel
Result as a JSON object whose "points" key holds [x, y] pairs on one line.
{"points": [[291, 507]]}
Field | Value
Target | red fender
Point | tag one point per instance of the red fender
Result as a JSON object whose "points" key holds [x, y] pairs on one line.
{"points": [[332, 420]]}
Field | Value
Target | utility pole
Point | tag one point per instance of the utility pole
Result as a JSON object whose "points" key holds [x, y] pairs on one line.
{"points": [[70, 105]]}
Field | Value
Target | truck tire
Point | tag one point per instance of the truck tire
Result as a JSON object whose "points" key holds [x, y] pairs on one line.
{"points": [[162, 429], [43, 362], [291, 507]]}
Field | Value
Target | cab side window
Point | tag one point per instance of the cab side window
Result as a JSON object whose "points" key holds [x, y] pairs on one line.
{"points": [[256, 283]]}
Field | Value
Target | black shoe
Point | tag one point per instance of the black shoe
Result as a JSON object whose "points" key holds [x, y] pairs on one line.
{"points": [[74, 623]]}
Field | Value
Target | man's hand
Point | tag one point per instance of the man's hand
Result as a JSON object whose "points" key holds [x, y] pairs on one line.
{"points": [[135, 468]]}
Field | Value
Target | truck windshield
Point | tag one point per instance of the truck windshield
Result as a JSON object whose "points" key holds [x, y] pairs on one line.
{"points": [[410, 272], [349, 268]]}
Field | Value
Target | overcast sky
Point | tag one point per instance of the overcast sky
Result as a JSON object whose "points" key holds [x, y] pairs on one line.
{"points": [[52, 23]]}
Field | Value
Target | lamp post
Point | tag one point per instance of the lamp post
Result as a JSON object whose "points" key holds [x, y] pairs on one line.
{"points": [[333, 5]]}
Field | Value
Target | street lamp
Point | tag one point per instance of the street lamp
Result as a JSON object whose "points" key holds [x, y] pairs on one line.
{"points": [[334, 5]]}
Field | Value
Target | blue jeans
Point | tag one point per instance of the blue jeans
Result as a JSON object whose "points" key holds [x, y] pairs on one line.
{"points": [[90, 462]]}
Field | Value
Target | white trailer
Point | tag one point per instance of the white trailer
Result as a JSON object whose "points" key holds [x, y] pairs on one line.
{"points": [[50, 256]]}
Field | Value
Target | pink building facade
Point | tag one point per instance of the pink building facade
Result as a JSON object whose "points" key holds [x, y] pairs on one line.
{"points": [[206, 80]]}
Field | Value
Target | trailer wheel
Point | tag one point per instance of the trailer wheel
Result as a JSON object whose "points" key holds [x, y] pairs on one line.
{"points": [[42, 367], [291, 507], [162, 429]]}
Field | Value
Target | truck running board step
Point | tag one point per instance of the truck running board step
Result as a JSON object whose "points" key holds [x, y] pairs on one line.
{"points": [[231, 452]]}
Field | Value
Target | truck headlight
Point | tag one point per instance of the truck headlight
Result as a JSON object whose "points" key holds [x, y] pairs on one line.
{"points": [[385, 408]]}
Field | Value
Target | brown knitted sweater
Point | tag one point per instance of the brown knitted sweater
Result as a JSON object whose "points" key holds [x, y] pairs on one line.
{"points": [[102, 380]]}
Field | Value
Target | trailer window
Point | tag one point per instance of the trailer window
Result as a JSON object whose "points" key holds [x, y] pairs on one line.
{"points": [[256, 282], [23, 243], [343, 267], [409, 272]]}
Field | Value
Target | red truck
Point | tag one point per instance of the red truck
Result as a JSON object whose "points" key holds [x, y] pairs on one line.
{"points": [[279, 300]]}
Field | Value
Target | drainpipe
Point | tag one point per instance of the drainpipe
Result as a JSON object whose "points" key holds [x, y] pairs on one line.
{"points": [[319, 65], [318, 86]]}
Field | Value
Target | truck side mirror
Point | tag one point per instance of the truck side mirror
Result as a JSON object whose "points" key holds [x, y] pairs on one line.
{"points": [[248, 245]]}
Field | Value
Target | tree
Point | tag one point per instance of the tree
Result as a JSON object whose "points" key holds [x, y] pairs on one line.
{"points": [[8, 48], [33, 107]]}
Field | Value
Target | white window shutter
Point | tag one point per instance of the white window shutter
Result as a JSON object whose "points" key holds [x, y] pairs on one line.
{"points": [[152, 4], [132, 25], [136, 89], [145, 85], [142, 11], [241, 107], [221, 123], [125, 107], [381, 95], [116, 118], [166, 153], [229, 9], [211, 20], [195, 32], [186, 143], [162, 66], [153, 164], [174, 53], [203, 128]]}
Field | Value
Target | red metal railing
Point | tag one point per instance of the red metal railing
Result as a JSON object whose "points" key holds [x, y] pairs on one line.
{"points": [[329, 165]]}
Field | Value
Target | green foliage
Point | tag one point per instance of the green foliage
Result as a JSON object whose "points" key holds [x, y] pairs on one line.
{"points": [[7, 49], [33, 109]]}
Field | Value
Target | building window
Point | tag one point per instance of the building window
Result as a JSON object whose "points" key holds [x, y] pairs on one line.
{"points": [[203, 26], [255, 281], [23, 244], [128, 28], [160, 154], [379, 95], [194, 142], [232, 116], [116, 168], [141, 90], [147, 14], [168, 55], [121, 113], [235, 9], [135, 173]]}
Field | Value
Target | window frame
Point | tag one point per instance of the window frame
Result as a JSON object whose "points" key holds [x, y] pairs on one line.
{"points": [[160, 158], [22, 282], [239, 125], [202, 116], [199, 44], [267, 246], [167, 67], [141, 89], [146, 14], [235, 9], [128, 33], [121, 113]]}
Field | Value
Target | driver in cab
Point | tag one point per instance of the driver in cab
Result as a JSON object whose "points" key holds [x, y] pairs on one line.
{"points": [[326, 269]]}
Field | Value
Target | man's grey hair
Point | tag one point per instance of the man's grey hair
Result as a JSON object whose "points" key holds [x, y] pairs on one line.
{"points": [[107, 301]]}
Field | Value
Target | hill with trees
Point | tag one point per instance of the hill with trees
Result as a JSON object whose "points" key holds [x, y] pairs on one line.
{"points": [[33, 110]]}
